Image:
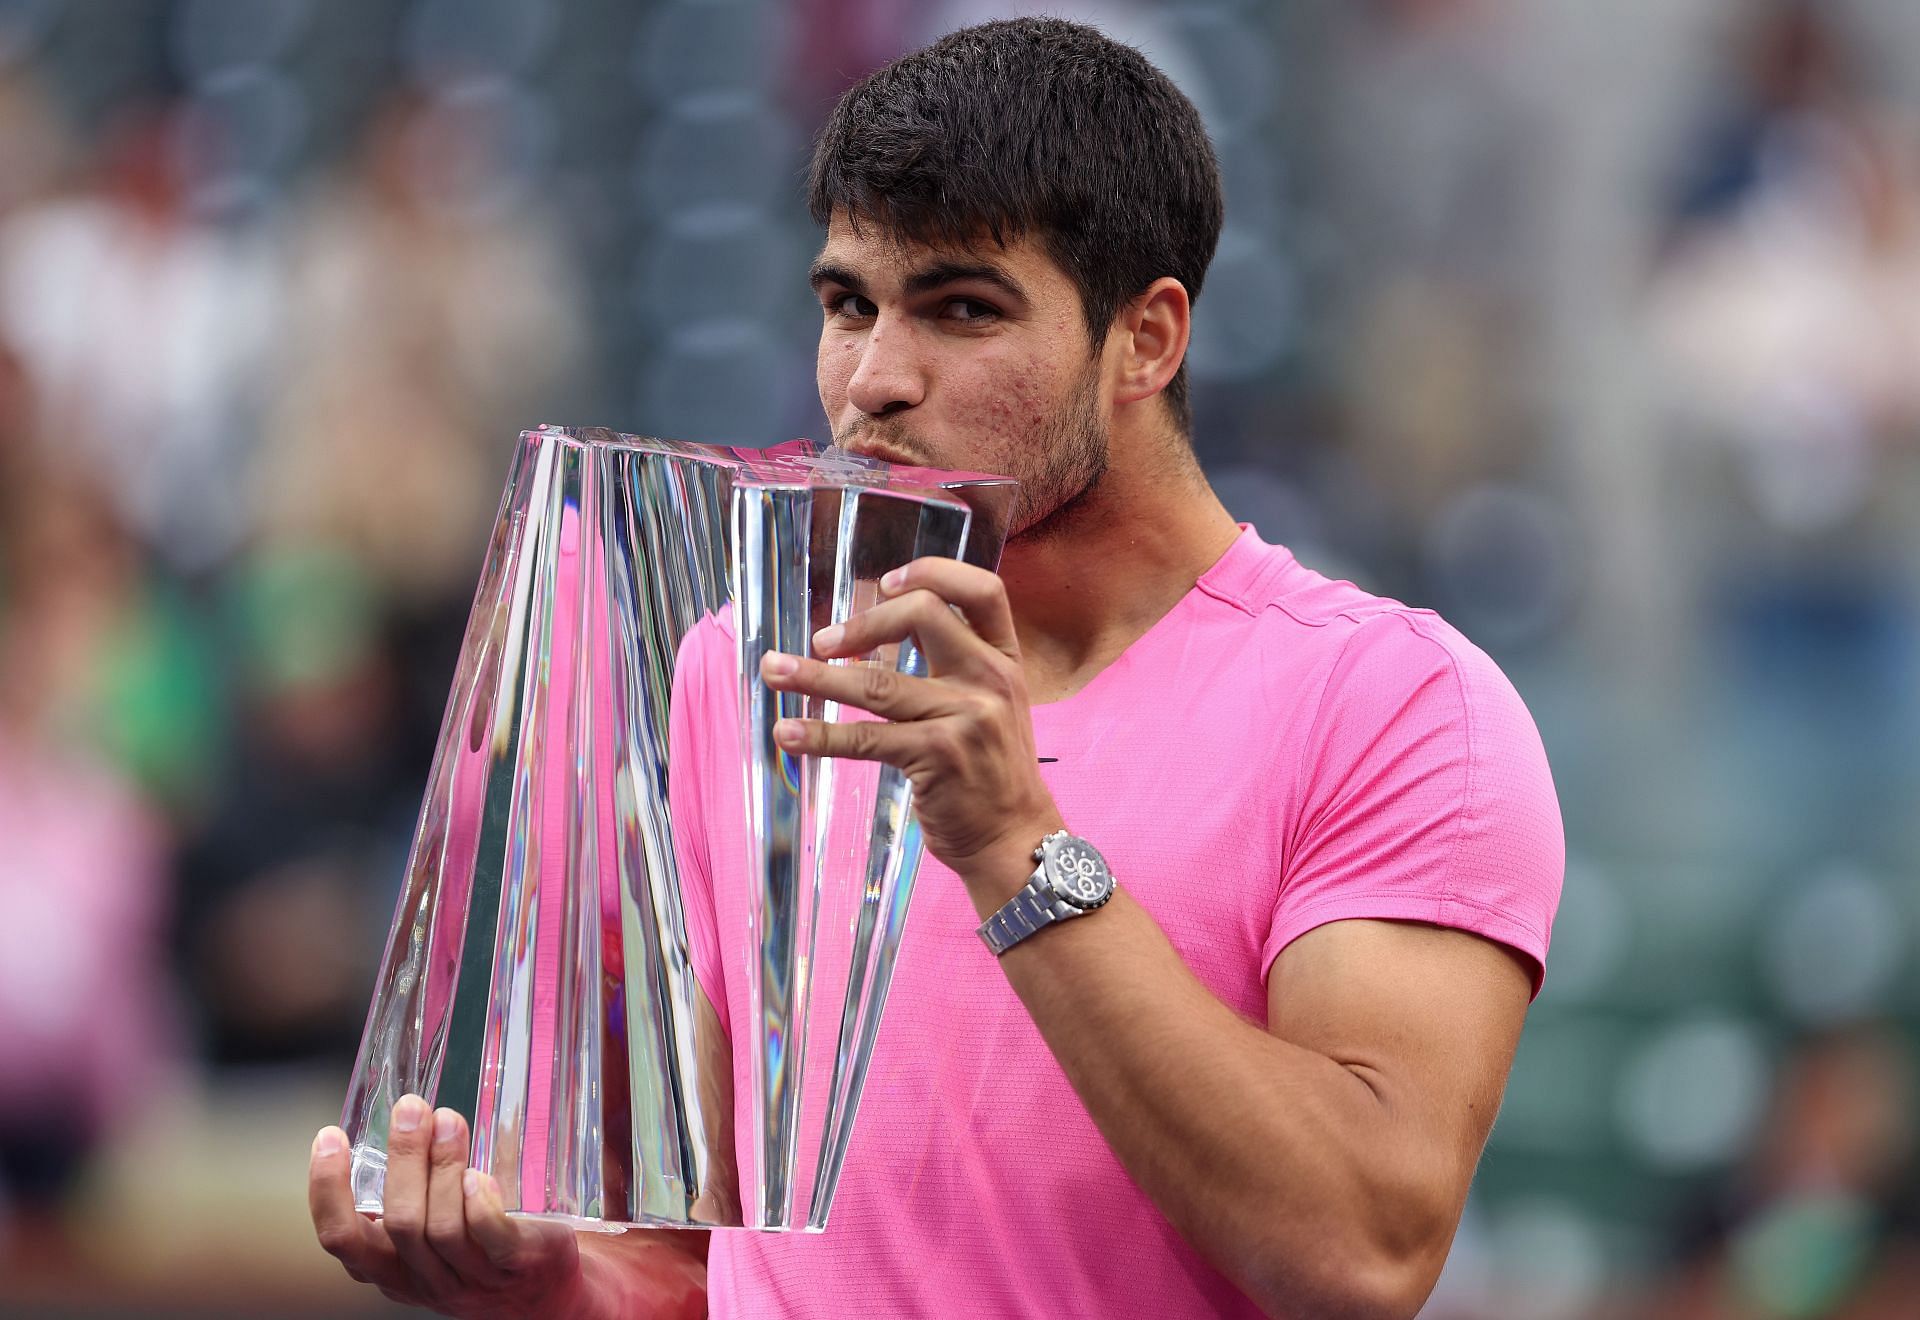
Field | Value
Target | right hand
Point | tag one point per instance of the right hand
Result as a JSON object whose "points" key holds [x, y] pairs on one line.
{"points": [[444, 1240]]}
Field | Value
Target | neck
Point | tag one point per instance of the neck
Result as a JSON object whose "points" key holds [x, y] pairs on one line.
{"points": [[1087, 582]]}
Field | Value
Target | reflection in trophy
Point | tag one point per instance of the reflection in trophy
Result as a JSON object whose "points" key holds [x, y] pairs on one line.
{"points": [[551, 971]]}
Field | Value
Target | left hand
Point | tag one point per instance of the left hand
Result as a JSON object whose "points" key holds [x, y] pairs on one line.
{"points": [[963, 735]]}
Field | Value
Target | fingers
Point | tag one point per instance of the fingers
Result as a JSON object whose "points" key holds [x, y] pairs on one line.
{"points": [[497, 1236], [444, 1236], [514, 1246], [902, 745], [344, 1233], [446, 1228], [949, 643], [975, 674], [980, 595], [404, 1208], [871, 688]]}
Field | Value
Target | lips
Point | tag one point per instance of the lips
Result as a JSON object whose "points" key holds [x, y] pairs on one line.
{"points": [[882, 454]]}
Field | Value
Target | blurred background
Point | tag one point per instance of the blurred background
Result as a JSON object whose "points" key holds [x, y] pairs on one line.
{"points": [[1595, 326]]}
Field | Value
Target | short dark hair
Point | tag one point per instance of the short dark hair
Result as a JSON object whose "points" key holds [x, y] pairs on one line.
{"points": [[1041, 127]]}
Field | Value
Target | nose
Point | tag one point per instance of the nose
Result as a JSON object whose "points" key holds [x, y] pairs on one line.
{"points": [[888, 378]]}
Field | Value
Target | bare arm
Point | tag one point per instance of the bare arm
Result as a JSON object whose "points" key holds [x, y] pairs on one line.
{"points": [[446, 1242], [1321, 1164]]}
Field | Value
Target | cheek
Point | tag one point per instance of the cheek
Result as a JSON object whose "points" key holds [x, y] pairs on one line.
{"points": [[833, 366], [1017, 407]]}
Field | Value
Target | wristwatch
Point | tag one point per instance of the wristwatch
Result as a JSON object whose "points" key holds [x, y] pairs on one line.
{"points": [[1071, 880]]}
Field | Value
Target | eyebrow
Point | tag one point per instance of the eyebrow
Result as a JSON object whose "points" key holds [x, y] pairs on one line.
{"points": [[825, 272], [953, 272], [926, 279]]}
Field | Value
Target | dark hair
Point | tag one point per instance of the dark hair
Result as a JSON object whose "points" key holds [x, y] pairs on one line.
{"points": [[1033, 126]]}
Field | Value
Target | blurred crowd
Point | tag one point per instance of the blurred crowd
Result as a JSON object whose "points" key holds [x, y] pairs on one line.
{"points": [[246, 467], [1596, 327]]}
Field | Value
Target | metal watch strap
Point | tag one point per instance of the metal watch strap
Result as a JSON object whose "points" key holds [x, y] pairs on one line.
{"points": [[1023, 914]]}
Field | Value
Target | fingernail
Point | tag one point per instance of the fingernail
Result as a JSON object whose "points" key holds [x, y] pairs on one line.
{"points": [[778, 664], [470, 1182], [828, 637], [892, 581], [786, 732], [408, 1113], [445, 1124], [329, 1141]]}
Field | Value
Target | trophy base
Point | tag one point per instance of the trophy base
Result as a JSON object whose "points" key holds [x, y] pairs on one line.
{"points": [[369, 1180]]}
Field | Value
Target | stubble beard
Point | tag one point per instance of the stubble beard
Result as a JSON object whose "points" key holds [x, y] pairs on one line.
{"points": [[1073, 451]]}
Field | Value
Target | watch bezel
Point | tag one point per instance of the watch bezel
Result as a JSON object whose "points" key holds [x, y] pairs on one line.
{"points": [[1049, 851]]}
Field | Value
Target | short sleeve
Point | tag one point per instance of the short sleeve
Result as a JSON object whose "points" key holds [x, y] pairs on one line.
{"points": [[1426, 797], [694, 721]]}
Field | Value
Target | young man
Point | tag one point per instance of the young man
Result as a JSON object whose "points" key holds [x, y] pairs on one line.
{"points": [[1258, 1076]]}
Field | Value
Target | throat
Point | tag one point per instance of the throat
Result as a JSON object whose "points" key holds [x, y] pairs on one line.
{"points": [[1080, 600], [1056, 671]]}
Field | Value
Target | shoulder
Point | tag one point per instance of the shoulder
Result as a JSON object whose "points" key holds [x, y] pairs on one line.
{"points": [[1424, 787], [1360, 647], [1403, 684], [1393, 694], [1393, 659]]}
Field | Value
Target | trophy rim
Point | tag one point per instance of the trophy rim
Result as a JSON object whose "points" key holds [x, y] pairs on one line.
{"points": [[790, 464]]}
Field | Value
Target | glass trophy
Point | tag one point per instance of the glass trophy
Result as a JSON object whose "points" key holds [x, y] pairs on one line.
{"points": [[546, 973]]}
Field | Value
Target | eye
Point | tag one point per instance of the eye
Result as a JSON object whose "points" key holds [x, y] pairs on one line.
{"points": [[850, 307], [969, 311]]}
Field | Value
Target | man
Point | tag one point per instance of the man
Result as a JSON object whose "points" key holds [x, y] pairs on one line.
{"points": [[1258, 1076]]}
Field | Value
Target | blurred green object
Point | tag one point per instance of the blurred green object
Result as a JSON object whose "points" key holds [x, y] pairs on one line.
{"points": [[303, 616], [1801, 1257], [158, 713]]}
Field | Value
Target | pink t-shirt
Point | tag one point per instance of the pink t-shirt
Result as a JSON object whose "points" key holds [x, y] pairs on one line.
{"points": [[1278, 752]]}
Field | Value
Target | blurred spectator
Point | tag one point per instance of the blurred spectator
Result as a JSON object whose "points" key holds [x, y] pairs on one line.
{"points": [[122, 671], [16, 431], [85, 1007], [286, 891], [1793, 68], [1820, 1223], [1432, 162], [425, 326], [34, 150], [1787, 311], [146, 329], [1785, 327]]}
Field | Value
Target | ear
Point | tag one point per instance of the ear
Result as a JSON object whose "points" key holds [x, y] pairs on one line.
{"points": [[1150, 338]]}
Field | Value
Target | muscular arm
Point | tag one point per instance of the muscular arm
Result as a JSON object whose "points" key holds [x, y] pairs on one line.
{"points": [[1321, 1164]]}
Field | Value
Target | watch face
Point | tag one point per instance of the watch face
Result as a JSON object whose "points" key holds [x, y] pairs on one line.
{"points": [[1078, 873]]}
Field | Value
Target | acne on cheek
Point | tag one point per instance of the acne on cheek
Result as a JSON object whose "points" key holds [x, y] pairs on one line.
{"points": [[1025, 401]]}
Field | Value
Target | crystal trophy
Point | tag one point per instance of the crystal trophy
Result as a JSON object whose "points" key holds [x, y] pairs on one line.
{"points": [[543, 975]]}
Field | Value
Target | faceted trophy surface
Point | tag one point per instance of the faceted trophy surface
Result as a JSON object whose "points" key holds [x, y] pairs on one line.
{"points": [[550, 969]]}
